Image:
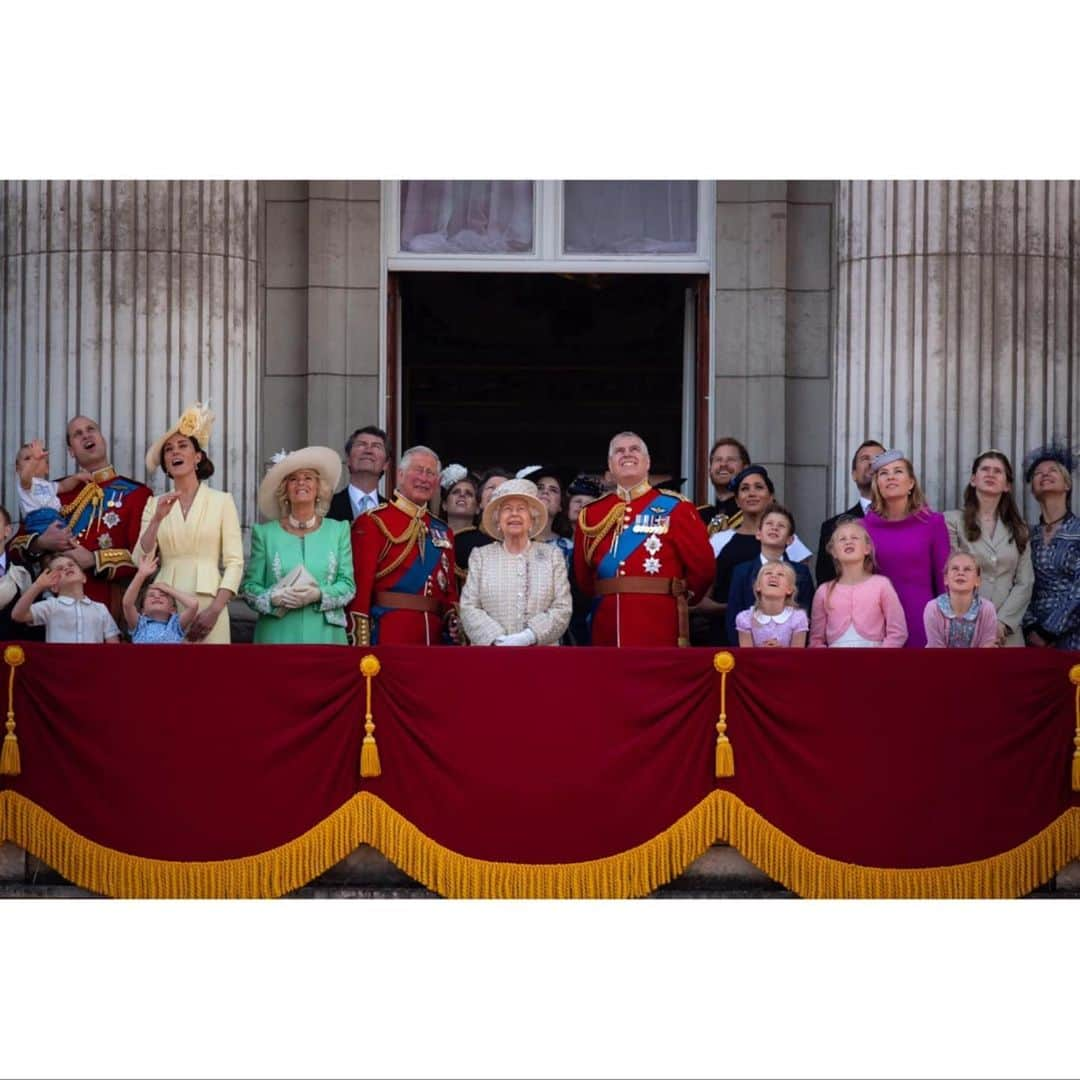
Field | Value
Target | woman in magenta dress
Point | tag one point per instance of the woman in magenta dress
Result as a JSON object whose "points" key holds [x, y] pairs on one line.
{"points": [[910, 539]]}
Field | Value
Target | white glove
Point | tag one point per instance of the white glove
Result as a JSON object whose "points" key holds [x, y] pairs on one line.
{"points": [[522, 637], [287, 597]]}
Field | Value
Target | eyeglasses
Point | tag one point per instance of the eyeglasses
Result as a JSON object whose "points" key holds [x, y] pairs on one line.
{"points": [[420, 470]]}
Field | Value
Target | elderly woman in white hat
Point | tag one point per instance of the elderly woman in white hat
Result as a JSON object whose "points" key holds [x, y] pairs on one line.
{"points": [[194, 529], [300, 574], [517, 591]]}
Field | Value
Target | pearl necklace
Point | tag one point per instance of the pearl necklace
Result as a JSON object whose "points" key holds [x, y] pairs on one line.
{"points": [[309, 524]]}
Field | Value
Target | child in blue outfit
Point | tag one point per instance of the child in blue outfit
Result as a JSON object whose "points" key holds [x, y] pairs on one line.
{"points": [[166, 612], [39, 497]]}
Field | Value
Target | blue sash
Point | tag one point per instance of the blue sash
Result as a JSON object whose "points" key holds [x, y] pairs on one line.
{"points": [[413, 580], [629, 541]]}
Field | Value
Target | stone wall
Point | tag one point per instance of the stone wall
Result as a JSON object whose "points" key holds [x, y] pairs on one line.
{"points": [[772, 328], [322, 322]]}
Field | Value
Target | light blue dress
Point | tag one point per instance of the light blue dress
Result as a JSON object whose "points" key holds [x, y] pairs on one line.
{"points": [[156, 632]]}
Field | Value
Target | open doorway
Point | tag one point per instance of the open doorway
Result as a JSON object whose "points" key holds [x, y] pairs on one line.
{"points": [[544, 368]]}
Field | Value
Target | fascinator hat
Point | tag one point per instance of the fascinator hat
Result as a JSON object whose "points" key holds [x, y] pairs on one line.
{"points": [[752, 470], [521, 489], [451, 475], [887, 457], [1055, 450], [196, 422], [320, 459]]}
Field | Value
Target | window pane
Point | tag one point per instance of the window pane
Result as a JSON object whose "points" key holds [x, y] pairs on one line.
{"points": [[474, 217], [630, 217]]}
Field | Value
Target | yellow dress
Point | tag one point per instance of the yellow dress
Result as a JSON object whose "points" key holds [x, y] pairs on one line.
{"points": [[201, 553]]}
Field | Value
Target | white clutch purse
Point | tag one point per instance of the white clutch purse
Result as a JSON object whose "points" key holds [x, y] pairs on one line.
{"points": [[298, 579]]}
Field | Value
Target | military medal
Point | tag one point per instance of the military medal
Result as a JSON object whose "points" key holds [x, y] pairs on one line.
{"points": [[652, 565], [104, 541], [111, 519]]}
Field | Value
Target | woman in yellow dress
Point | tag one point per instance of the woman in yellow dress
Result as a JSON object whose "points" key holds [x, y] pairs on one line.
{"points": [[194, 529]]}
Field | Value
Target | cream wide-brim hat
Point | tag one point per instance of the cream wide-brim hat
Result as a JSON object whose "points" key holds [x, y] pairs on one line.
{"points": [[196, 422], [520, 489], [321, 459]]}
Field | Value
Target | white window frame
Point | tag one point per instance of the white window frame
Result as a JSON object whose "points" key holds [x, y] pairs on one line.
{"points": [[547, 255]]}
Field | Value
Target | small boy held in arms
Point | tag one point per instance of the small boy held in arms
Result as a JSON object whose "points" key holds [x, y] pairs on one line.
{"points": [[69, 616], [39, 502], [166, 613]]}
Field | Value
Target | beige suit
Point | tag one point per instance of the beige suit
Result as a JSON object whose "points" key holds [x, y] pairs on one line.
{"points": [[201, 553], [506, 593], [1007, 576]]}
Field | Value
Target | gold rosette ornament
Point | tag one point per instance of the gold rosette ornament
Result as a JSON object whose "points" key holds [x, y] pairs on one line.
{"points": [[724, 663], [369, 752], [10, 763]]}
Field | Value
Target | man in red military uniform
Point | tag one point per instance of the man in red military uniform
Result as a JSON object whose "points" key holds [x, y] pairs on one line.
{"points": [[403, 559], [643, 552], [103, 519]]}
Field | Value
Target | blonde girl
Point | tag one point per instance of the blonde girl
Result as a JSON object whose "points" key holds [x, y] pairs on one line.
{"points": [[859, 609], [775, 620]]}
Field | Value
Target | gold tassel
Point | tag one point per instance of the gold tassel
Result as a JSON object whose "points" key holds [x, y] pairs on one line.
{"points": [[725, 755], [369, 752], [10, 762], [1074, 677]]}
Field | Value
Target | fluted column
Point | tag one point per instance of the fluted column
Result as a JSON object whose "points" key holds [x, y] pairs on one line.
{"points": [[958, 323], [126, 300]]}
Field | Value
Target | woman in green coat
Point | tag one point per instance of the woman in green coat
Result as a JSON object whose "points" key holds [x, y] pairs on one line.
{"points": [[299, 576]]}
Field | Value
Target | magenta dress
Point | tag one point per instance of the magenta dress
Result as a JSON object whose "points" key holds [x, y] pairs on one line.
{"points": [[912, 553]]}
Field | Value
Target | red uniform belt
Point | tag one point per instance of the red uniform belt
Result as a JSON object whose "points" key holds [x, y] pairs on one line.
{"points": [[407, 601], [655, 586]]}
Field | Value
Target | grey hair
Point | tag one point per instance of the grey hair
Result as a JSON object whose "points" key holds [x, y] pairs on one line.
{"points": [[623, 435], [409, 454]]}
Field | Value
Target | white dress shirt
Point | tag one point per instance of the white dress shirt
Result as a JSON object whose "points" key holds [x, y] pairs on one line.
{"points": [[362, 501], [74, 622]]}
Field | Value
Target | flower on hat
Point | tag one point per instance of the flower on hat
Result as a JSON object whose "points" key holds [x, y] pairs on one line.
{"points": [[281, 455], [195, 423], [451, 475]]}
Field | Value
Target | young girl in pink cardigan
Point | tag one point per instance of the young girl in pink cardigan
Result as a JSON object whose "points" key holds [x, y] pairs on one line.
{"points": [[958, 619], [860, 609]]}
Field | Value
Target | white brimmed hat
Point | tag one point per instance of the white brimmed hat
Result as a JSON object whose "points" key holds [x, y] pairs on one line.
{"points": [[521, 489], [196, 422], [321, 459]]}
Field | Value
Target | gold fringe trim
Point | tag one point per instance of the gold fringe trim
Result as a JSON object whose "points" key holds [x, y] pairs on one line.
{"points": [[366, 819]]}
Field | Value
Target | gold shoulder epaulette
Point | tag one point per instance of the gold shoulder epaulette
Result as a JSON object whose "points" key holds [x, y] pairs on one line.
{"points": [[705, 506]]}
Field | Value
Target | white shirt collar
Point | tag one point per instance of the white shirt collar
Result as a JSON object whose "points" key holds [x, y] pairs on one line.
{"points": [[69, 601], [358, 495], [864, 503], [763, 620]]}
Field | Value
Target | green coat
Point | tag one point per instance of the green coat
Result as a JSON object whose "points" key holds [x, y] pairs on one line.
{"points": [[327, 555]]}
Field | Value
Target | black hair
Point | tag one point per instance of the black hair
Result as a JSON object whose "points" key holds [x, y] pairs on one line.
{"points": [[861, 447], [369, 429]]}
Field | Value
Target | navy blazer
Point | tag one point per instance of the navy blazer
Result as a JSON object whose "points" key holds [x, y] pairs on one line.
{"points": [[741, 594]]}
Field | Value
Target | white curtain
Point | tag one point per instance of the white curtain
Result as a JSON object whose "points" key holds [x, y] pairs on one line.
{"points": [[467, 216], [626, 217]]}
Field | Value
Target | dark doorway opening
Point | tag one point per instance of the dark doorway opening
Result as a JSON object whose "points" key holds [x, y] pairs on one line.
{"points": [[523, 369]]}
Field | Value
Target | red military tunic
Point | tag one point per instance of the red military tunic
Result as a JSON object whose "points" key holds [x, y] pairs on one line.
{"points": [[395, 604], [679, 553], [104, 516]]}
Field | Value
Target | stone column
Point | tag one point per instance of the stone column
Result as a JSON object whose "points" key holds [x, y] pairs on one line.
{"points": [[126, 300], [773, 281], [958, 323], [323, 322]]}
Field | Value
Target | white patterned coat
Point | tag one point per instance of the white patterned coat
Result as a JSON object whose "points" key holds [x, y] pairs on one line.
{"points": [[506, 593]]}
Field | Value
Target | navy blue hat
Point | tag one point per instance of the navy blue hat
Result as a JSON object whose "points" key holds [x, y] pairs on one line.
{"points": [[583, 484], [1055, 450], [752, 470]]}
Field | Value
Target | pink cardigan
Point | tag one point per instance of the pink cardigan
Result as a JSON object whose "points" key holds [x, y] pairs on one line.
{"points": [[872, 606], [937, 633]]}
